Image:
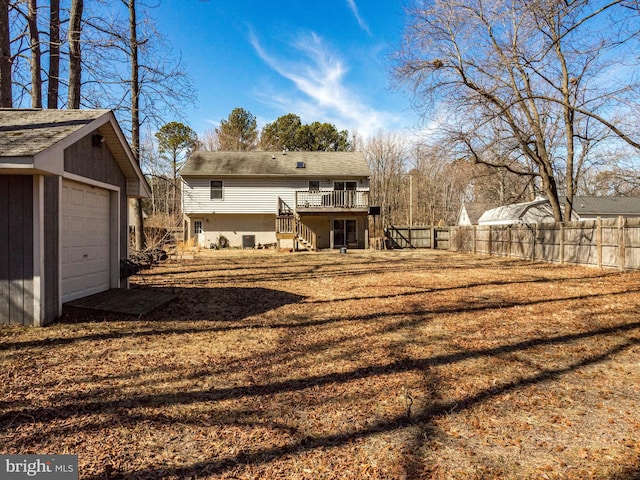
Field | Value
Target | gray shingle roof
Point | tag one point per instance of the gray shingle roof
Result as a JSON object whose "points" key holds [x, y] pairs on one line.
{"points": [[475, 210], [25, 133], [42, 133], [606, 205], [262, 164]]}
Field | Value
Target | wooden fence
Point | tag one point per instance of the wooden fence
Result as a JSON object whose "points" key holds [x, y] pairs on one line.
{"points": [[602, 243], [417, 237]]}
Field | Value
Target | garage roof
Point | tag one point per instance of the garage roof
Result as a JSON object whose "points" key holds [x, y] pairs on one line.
{"points": [[33, 141], [25, 133]]}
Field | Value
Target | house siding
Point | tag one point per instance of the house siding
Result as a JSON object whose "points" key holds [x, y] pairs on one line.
{"points": [[252, 196], [247, 195], [234, 227], [16, 236], [51, 248]]}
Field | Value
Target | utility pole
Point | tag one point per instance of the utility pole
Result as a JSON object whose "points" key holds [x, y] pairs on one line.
{"points": [[410, 201]]}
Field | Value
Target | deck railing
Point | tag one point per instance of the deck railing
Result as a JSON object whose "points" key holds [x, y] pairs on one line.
{"points": [[290, 224], [332, 199], [307, 235], [285, 224], [284, 208]]}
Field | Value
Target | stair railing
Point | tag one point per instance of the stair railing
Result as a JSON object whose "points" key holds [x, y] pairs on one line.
{"points": [[306, 234]]}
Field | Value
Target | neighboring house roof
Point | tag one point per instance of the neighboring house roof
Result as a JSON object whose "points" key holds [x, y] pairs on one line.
{"points": [[33, 141], [470, 213], [264, 164], [606, 206], [536, 211]]}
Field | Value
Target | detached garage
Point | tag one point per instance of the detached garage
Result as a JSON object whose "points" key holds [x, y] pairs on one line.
{"points": [[65, 180]]}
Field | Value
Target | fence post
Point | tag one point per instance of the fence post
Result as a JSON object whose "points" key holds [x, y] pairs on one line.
{"points": [[490, 242], [533, 242], [473, 247], [509, 239], [621, 248], [562, 243], [599, 241]]}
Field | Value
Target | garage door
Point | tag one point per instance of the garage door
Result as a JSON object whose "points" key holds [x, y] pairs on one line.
{"points": [[84, 236]]}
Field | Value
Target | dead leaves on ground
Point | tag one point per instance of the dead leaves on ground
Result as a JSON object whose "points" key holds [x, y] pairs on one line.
{"points": [[368, 365]]}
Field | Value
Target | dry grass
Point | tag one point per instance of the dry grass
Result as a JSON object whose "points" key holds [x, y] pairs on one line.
{"points": [[368, 365]]}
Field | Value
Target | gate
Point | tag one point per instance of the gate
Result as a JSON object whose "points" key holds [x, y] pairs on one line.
{"points": [[417, 237]]}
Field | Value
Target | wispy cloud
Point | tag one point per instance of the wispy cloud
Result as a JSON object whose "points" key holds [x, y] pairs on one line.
{"points": [[354, 9], [320, 76]]}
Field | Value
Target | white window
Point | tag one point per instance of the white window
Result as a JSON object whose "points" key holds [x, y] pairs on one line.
{"points": [[216, 189], [197, 226], [314, 185]]}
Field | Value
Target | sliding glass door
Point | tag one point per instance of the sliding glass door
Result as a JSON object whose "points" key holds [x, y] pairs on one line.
{"points": [[345, 233]]}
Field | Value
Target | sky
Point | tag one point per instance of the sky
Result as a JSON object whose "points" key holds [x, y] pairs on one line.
{"points": [[323, 60]]}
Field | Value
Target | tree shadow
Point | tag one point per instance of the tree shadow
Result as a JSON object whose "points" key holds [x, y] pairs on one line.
{"points": [[215, 305], [231, 304], [422, 421], [225, 309]]}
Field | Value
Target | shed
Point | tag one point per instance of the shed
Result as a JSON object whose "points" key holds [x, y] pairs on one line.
{"points": [[65, 180]]}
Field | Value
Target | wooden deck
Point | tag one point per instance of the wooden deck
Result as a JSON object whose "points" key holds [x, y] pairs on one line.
{"points": [[137, 301], [332, 201]]}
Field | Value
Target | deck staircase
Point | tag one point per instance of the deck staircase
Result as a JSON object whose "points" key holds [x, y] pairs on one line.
{"points": [[289, 226]]}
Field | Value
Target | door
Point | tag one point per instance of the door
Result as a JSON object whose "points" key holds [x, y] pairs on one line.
{"points": [[198, 233], [84, 240], [344, 193], [345, 233]]}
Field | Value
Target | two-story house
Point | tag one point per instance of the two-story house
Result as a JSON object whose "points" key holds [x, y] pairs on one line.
{"points": [[307, 200]]}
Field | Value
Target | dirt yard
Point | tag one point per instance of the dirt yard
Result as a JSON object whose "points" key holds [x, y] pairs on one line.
{"points": [[369, 365]]}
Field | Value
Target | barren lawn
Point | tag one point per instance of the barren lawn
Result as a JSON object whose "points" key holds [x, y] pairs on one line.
{"points": [[368, 365]]}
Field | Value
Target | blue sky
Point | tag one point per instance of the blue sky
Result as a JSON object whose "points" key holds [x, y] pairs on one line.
{"points": [[324, 60]]}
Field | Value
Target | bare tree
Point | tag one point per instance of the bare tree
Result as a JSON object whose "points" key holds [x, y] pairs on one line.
{"points": [[135, 111], [209, 141], [27, 48], [157, 172], [525, 78], [130, 69], [36, 57], [386, 154], [53, 84], [6, 90], [439, 185], [75, 55]]}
